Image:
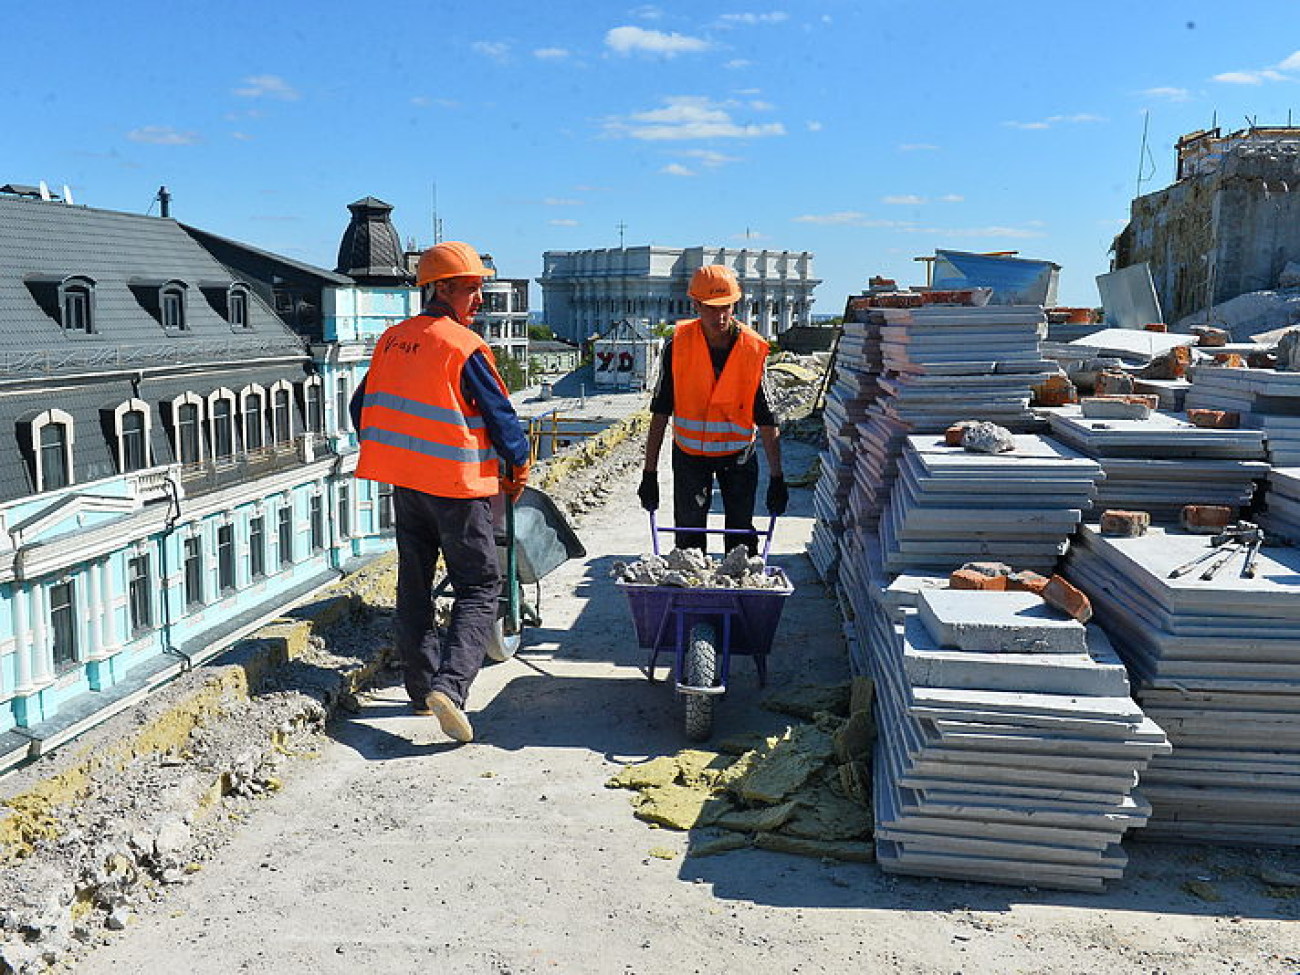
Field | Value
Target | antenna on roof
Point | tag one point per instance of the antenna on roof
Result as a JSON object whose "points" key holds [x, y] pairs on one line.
{"points": [[67, 194], [45, 192]]}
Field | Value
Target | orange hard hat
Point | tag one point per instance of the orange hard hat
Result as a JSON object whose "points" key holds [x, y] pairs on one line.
{"points": [[715, 284], [450, 259]]}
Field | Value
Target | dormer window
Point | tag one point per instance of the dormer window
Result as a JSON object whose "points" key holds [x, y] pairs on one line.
{"points": [[183, 419], [75, 303], [128, 426], [237, 310], [230, 301], [172, 305], [70, 301], [47, 439], [221, 410], [165, 300]]}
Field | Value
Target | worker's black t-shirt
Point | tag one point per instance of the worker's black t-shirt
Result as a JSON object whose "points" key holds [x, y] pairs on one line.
{"points": [[662, 401]]}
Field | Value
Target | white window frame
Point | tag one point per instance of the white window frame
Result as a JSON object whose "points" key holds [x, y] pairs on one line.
{"points": [[119, 415], [245, 394], [216, 396], [281, 385], [185, 399], [38, 424]]}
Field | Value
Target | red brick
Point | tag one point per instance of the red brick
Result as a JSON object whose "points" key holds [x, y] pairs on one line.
{"points": [[1055, 391], [1114, 383], [1129, 524], [1026, 581], [1154, 327], [1212, 338], [1206, 519], [1214, 419], [970, 579], [952, 436], [1230, 359], [1067, 598]]}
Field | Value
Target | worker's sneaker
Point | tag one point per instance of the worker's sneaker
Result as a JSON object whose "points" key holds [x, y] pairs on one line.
{"points": [[454, 723]]}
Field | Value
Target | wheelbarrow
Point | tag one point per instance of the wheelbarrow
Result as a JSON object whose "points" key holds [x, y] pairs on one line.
{"points": [[533, 539], [703, 627]]}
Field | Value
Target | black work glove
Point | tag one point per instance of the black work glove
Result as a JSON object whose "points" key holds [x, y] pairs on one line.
{"points": [[778, 495], [648, 492]]}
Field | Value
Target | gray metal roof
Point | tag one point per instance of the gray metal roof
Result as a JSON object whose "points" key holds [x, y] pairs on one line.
{"points": [[129, 355], [43, 241]]}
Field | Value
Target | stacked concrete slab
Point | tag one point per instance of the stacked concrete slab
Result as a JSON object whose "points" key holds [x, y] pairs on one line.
{"points": [[1266, 399], [1163, 462], [1216, 663], [1282, 501], [950, 505], [1008, 745]]}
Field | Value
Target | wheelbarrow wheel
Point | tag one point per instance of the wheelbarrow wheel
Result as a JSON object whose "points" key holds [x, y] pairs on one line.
{"points": [[701, 671], [501, 646]]}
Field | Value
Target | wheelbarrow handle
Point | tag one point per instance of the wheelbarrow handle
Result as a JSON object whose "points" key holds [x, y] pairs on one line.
{"points": [[656, 528]]}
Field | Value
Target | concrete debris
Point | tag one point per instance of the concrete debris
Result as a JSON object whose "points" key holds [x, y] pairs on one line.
{"points": [[988, 438], [691, 568], [808, 785]]}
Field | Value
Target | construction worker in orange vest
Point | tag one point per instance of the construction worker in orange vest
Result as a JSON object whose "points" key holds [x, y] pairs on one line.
{"points": [[711, 385], [435, 421]]}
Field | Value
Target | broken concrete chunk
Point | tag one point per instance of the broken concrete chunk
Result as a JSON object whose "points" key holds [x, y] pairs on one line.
{"points": [[691, 569], [988, 438], [1113, 408]]}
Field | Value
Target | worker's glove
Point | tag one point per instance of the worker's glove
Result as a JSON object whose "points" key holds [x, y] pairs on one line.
{"points": [[778, 495], [512, 484], [648, 492]]}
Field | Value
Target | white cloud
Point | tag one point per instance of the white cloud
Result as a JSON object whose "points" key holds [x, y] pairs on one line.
{"points": [[1051, 120], [555, 201], [750, 20], [917, 147], [163, 135], [647, 11], [814, 126], [846, 218], [708, 157], [1167, 94], [267, 86], [638, 40], [551, 53], [761, 106], [952, 198], [1285, 70], [909, 199], [749, 91], [496, 50], [677, 169], [689, 117], [241, 136], [736, 63], [562, 222]]}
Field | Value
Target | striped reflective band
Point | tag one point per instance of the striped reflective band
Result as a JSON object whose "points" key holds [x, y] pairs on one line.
{"points": [[429, 448], [424, 411], [712, 446], [694, 426]]}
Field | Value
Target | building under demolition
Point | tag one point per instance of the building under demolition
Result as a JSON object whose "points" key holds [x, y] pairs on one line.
{"points": [[1229, 224]]}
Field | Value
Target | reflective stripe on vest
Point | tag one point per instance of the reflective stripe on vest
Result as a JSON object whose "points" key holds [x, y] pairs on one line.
{"points": [[714, 416], [417, 430]]}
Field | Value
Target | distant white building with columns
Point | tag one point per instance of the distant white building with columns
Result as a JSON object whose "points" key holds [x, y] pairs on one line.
{"points": [[585, 292]]}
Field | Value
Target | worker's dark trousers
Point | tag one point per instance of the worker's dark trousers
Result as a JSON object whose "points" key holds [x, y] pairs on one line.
{"points": [[461, 529], [693, 476]]}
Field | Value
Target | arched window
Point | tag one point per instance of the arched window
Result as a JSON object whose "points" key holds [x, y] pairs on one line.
{"points": [[76, 304], [253, 407], [281, 412], [221, 414], [131, 425], [187, 428], [50, 436], [313, 401], [237, 306]]}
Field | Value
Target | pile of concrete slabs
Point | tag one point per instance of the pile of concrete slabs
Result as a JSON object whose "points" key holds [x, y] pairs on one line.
{"points": [[1266, 399], [950, 505], [1216, 663], [1008, 744]]}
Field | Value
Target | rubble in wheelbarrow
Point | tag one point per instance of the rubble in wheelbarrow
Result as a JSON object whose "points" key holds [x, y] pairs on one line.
{"points": [[691, 568]]}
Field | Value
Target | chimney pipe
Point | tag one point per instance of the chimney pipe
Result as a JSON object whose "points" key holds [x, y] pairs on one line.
{"points": [[164, 202]]}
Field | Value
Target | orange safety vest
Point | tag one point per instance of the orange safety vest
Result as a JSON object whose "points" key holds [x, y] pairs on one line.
{"points": [[715, 416], [417, 430]]}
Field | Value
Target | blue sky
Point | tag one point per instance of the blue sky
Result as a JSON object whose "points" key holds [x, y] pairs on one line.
{"points": [[867, 131]]}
